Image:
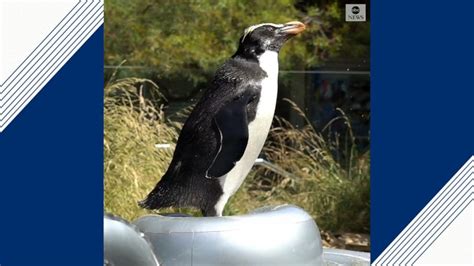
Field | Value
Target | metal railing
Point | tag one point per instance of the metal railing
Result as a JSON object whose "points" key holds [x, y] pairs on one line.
{"points": [[259, 162], [274, 168], [347, 71]]}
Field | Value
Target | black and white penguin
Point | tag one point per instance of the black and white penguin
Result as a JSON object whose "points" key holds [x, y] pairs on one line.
{"points": [[226, 130]]}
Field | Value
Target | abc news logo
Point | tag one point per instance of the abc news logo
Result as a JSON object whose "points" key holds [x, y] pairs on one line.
{"points": [[355, 12]]}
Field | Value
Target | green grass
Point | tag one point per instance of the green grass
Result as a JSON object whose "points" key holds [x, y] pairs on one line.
{"points": [[336, 194]]}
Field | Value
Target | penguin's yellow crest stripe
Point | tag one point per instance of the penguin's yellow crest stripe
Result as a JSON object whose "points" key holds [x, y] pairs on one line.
{"points": [[248, 30]]}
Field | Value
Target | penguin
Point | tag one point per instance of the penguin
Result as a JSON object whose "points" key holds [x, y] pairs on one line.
{"points": [[225, 132]]}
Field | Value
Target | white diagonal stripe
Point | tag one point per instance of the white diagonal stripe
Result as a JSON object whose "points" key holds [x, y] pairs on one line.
{"points": [[48, 58], [438, 214]]}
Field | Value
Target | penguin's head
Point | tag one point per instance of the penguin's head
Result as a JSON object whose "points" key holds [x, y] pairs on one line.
{"points": [[267, 37]]}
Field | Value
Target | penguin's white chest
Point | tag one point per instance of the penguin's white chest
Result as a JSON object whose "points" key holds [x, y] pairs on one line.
{"points": [[258, 129]]}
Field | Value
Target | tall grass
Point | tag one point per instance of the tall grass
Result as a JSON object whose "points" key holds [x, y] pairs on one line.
{"points": [[132, 164], [335, 193]]}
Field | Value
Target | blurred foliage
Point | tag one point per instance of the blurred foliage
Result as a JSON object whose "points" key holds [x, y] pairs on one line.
{"points": [[197, 36]]}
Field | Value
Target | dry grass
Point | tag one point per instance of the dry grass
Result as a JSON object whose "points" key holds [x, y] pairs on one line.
{"points": [[337, 196], [132, 164]]}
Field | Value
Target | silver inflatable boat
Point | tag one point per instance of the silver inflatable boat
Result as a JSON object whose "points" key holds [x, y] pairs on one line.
{"points": [[281, 235]]}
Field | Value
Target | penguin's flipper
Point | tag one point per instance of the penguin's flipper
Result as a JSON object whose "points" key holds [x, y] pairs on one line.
{"points": [[231, 124]]}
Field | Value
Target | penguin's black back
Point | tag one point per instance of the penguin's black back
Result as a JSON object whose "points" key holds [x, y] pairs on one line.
{"points": [[185, 183]]}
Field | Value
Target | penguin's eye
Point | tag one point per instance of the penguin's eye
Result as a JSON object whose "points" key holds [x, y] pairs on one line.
{"points": [[271, 29]]}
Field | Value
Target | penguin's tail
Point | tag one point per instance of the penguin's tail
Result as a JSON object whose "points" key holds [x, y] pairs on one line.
{"points": [[159, 197]]}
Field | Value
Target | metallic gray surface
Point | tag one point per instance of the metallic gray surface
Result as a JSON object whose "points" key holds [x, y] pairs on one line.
{"points": [[345, 257], [124, 245], [281, 235]]}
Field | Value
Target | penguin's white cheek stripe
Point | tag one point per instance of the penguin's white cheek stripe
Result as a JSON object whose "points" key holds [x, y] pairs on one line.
{"points": [[258, 129]]}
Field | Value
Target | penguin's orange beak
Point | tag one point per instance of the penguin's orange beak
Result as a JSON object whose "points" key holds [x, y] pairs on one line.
{"points": [[293, 27]]}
